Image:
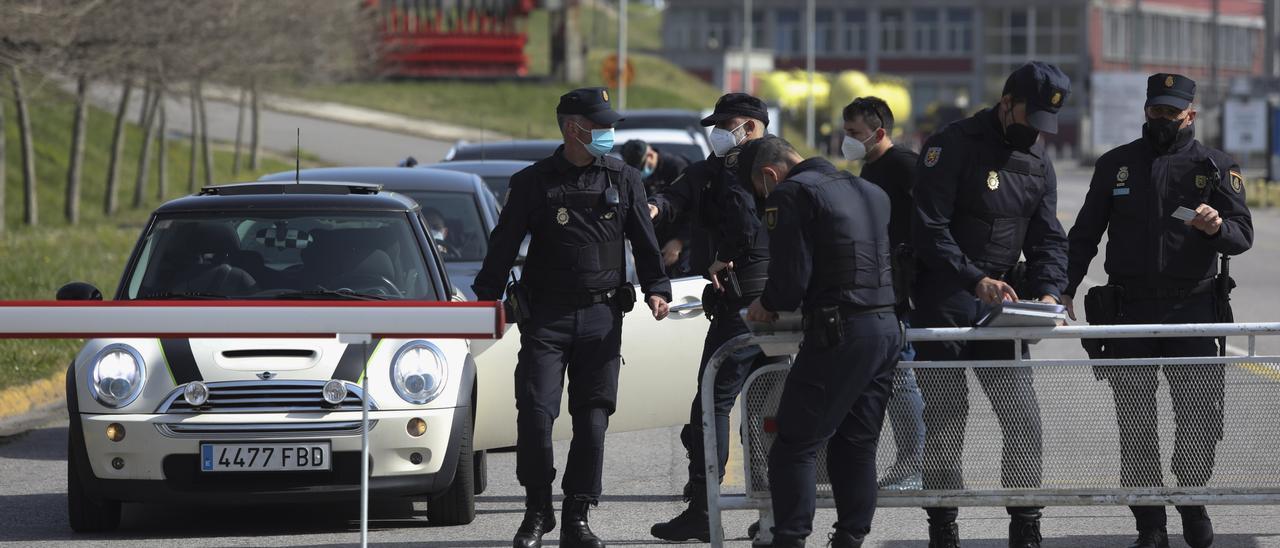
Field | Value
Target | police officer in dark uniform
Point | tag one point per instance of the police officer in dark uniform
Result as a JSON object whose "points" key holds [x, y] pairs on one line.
{"points": [[1161, 270], [729, 241], [986, 193], [657, 170], [578, 206], [829, 234]]}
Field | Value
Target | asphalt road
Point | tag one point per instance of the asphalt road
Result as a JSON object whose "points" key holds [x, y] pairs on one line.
{"points": [[644, 470]]}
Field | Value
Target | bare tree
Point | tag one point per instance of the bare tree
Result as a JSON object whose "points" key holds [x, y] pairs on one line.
{"points": [[75, 164], [112, 201], [162, 153], [153, 96], [235, 161], [204, 135], [194, 163], [2, 165], [30, 207], [255, 133]]}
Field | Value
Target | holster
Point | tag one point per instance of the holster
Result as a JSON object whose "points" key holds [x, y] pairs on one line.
{"points": [[1016, 277], [729, 281], [823, 327], [1103, 305], [710, 301], [625, 298], [516, 305], [1222, 286]]}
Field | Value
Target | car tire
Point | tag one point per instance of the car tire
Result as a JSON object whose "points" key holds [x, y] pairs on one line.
{"points": [[457, 505], [481, 471], [86, 513]]}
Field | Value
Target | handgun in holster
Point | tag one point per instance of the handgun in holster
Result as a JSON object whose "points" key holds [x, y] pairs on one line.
{"points": [[823, 327], [710, 301], [1103, 305], [729, 283], [625, 297], [517, 306]]}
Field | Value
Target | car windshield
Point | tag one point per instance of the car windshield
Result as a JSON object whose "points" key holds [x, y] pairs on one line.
{"points": [[365, 255], [453, 218]]}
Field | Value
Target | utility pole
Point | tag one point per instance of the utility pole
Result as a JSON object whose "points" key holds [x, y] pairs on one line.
{"points": [[622, 54], [810, 24], [747, 31], [1271, 67], [1215, 51], [1135, 38]]}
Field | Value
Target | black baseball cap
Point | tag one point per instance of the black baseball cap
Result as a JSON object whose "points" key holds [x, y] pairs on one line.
{"points": [[1173, 90], [1045, 88], [633, 152], [737, 104], [590, 102]]}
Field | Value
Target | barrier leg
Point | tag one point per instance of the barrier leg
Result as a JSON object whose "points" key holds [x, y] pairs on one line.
{"points": [[710, 451], [764, 536], [363, 341]]}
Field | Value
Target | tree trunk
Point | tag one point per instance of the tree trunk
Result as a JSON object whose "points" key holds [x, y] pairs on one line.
{"points": [[194, 165], [117, 151], [144, 157], [204, 136], [30, 212], [3, 127], [235, 162], [146, 100], [256, 129], [162, 152], [76, 164]]}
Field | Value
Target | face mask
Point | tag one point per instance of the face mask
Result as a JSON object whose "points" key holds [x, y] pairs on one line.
{"points": [[646, 172], [722, 140], [854, 149], [1164, 134], [437, 235], [1020, 136], [601, 141]]}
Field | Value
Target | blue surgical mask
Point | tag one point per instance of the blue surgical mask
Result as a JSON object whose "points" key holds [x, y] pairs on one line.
{"points": [[646, 172], [601, 141]]}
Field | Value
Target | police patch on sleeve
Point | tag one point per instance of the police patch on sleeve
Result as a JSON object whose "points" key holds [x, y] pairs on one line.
{"points": [[931, 156], [731, 158], [1237, 181], [771, 217]]}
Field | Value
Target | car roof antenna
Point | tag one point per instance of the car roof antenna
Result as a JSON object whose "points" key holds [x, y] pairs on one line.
{"points": [[297, 159]]}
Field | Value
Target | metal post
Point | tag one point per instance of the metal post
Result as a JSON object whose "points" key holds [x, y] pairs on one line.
{"points": [[1135, 38], [622, 54], [748, 29], [363, 340], [710, 452], [810, 124], [1215, 53]]}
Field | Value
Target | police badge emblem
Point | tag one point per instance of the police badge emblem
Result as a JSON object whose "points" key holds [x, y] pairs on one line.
{"points": [[731, 158], [562, 216], [604, 93], [1168, 81], [993, 180], [1123, 174], [771, 217], [931, 156], [1057, 99], [1237, 181], [1201, 181]]}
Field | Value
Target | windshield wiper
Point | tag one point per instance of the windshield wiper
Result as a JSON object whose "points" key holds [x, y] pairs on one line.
{"points": [[322, 293], [184, 295]]}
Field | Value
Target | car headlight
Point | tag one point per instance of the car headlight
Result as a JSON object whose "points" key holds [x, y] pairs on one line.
{"points": [[419, 372], [116, 375]]}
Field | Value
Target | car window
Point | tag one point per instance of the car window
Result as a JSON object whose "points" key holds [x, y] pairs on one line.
{"points": [[692, 153], [266, 255], [454, 221], [498, 184]]}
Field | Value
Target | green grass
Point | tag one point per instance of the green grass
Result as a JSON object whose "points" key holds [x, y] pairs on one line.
{"points": [[1263, 194], [599, 30], [36, 261]]}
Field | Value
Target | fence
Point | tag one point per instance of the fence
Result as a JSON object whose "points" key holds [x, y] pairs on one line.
{"points": [[1060, 419]]}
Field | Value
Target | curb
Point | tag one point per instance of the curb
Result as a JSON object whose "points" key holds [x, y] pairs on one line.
{"points": [[28, 406]]}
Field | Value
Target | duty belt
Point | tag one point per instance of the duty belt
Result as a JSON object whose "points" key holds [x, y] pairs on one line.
{"points": [[847, 312], [1139, 292], [577, 299]]}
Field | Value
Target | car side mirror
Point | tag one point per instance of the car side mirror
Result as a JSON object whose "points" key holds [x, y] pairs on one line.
{"points": [[79, 291]]}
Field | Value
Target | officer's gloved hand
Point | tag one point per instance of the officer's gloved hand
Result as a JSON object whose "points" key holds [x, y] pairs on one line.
{"points": [[659, 307]]}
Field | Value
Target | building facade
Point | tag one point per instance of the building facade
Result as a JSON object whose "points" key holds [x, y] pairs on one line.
{"points": [[958, 52]]}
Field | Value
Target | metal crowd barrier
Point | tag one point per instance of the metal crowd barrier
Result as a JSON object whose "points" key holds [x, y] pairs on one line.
{"points": [[1080, 441]]}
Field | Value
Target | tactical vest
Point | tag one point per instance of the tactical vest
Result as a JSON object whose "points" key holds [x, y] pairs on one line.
{"points": [[572, 257], [851, 249], [998, 192]]}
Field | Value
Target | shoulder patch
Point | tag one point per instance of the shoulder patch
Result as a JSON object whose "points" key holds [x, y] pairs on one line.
{"points": [[931, 156], [1237, 181], [731, 158], [771, 217]]}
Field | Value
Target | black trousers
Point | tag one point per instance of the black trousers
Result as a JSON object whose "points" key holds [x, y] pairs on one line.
{"points": [[729, 380], [942, 303], [586, 343], [834, 396], [1197, 393]]}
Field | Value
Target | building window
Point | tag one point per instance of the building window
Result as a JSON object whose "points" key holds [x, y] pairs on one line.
{"points": [[958, 31], [1018, 32], [717, 37], [825, 23], [925, 29], [787, 33], [892, 30], [855, 31]]}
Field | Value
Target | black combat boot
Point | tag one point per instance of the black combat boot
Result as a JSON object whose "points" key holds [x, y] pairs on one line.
{"points": [[844, 539], [691, 524], [1197, 529], [1024, 532], [575, 532], [1151, 537], [944, 535], [539, 518]]}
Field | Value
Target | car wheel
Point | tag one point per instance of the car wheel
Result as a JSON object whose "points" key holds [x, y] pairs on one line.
{"points": [[481, 471], [457, 505], [86, 513]]}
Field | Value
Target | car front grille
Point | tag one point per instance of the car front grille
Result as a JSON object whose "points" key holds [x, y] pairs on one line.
{"points": [[277, 396]]}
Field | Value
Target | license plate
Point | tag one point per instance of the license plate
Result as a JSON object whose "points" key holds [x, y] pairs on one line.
{"points": [[264, 457]]}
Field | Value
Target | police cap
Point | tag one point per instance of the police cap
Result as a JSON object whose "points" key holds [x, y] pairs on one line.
{"points": [[737, 104], [1045, 88], [1173, 90], [590, 102], [633, 152]]}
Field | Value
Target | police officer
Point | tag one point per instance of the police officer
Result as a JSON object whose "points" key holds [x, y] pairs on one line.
{"points": [[868, 123], [1161, 270], [829, 234], [658, 170], [986, 193], [578, 206], [729, 241]]}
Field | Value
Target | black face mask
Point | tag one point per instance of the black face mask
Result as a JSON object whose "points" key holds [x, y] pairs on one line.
{"points": [[1020, 136], [1164, 134]]}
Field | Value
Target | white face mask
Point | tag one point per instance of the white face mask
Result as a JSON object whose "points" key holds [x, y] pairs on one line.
{"points": [[854, 149], [438, 235], [722, 141]]}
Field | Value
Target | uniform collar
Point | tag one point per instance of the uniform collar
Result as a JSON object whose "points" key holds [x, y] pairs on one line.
{"points": [[818, 164], [563, 165]]}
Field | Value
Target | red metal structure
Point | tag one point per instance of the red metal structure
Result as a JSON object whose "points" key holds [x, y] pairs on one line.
{"points": [[451, 38]]}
